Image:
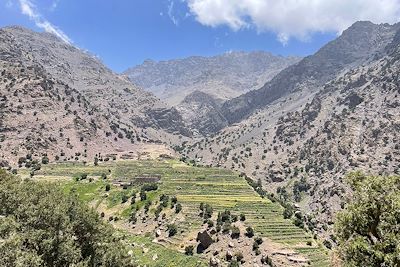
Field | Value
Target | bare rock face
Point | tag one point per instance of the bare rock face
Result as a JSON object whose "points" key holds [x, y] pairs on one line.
{"points": [[222, 77], [201, 112]]}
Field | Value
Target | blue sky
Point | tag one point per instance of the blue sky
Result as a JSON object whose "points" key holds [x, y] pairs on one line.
{"points": [[124, 33]]}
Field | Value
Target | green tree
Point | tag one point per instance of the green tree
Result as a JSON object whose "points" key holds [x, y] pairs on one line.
{"points": [[368, 228], [42, 226]]}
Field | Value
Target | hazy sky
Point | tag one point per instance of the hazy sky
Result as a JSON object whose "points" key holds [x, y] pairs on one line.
{"points": [[123, 33]]}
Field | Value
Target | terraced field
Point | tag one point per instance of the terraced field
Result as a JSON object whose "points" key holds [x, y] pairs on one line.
{"points": [[222, 189]]}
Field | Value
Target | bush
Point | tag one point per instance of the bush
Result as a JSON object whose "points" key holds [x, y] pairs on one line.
{"points": [[172, 229], [249, 232], [143, 195], [189, 250], [149, 187], [147, 206], [108, 187], [258, 240], [239, 256], [45, 160], [178, 208], [233, 263], [242, 217], [124, 198], [235, 232], [256, 246]]}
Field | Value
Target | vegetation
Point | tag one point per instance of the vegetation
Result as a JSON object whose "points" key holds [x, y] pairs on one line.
{"points": [[368, 229], [225, 192], [41, 226]]}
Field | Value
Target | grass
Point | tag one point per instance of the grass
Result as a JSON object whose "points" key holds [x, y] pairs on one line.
{"points": [[221, 188]]}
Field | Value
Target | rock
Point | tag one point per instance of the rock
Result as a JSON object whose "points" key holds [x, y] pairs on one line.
{"points": [[231, 245], [205, 239], [158, 233], [145, 250], [215, 262], [229, 255], [155, 257]]}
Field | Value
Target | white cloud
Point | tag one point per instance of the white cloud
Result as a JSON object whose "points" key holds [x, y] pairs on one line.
{"points": [[171, 13], [293, 18], [29, 9]]}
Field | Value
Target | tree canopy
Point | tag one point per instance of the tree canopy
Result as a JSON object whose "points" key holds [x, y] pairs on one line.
{"points": [[42, 226], [368, 230]]}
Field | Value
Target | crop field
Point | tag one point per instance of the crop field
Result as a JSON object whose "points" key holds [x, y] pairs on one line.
{"points": [[220, 188]]}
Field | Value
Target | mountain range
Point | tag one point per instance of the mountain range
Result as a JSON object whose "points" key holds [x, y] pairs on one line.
{"points": [[296, 124], [223, 77]]}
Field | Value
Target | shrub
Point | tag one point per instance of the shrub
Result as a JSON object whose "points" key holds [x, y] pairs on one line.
{"points": [[249, 232], [239, 256], [124, 198], [178, 208], [108, 187], [45, 160], [172, 229], [258, 240], [235, 232], [189, 250]]}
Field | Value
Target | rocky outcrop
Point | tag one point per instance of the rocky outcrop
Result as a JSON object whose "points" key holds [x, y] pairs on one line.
{"points": [[202, 113]]}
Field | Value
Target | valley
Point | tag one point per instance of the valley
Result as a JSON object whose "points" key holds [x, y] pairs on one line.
{"points": [[223, 190], [239, 159]]}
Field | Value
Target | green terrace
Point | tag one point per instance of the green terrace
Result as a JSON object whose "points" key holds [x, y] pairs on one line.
{"points": [[220, 188]]}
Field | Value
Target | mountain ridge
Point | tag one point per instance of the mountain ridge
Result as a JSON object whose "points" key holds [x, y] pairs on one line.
{"points": [[223, 76]]}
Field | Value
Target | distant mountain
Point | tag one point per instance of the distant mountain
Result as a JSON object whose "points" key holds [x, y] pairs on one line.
{"points": [[57, 99], [201, 112], [222, 77], [333, 112], [362, 41]]}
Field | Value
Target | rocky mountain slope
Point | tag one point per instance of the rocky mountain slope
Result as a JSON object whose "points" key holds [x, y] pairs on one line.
{"points": [[222, 77], [61, 100], [202, 113], [360, 42], [307, 135]]}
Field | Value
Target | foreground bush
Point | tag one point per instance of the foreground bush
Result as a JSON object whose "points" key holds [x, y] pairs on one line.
{"points": [[41, 226], [368, 228]]}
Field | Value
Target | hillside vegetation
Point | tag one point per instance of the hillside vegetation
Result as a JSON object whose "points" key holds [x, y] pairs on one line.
{"points": [[188, 200], [42, 226]]}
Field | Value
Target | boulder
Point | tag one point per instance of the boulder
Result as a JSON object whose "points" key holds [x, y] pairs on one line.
{"points": [[215, 262], [158, 233], [229, 255], [205, 239]]}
